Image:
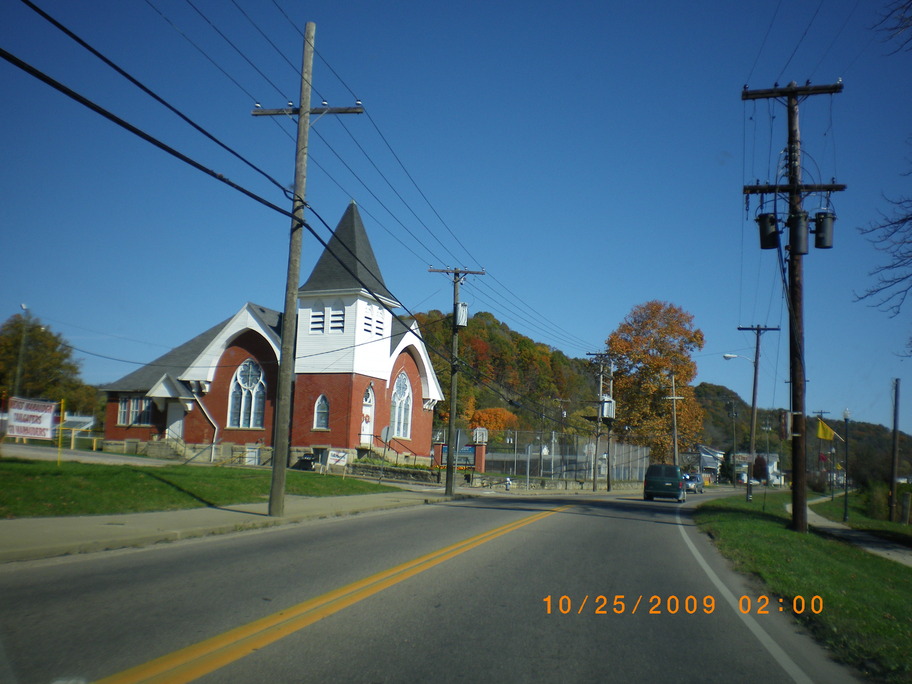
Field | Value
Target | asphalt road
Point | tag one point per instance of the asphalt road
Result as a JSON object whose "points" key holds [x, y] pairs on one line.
{"points": [[450, 592]]}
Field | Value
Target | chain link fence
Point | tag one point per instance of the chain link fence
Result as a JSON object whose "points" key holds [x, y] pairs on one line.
{"points": [[563, 456]]}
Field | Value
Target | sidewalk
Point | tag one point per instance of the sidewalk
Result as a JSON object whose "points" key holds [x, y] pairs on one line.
{"points": [[35, 538], [861, 539]]}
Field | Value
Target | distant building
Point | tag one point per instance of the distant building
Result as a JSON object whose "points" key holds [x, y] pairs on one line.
{"points": [[357, 370]]}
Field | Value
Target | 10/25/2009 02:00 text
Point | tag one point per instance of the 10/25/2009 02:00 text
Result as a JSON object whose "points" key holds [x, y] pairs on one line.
{"points": [[621, 604]]}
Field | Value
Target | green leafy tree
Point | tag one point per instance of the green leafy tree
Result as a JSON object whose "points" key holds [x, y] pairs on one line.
{"points": [[653, 344], [36, 363]]}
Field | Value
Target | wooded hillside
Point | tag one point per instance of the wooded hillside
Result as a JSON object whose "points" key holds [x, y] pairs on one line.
{"points": [[501, 369], [508, 381]]}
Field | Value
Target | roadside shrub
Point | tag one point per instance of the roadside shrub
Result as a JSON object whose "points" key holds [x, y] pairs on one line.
{"points": [[817, 482], [878, 500]]}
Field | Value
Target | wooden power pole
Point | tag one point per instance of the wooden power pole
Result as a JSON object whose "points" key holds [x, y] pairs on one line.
{"points": [[458, 275], [757, 330], [797, 223], [285, 390]]}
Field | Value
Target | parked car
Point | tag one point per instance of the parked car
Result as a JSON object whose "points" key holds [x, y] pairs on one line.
{"points": [[693, 482], [664, 481]]}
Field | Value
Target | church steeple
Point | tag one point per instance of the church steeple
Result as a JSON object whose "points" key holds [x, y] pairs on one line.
{"points": [[347, 262]]}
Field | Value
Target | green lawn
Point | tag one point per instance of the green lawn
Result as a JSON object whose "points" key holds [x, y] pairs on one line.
{"points": [[867, 615], [31, 489]]}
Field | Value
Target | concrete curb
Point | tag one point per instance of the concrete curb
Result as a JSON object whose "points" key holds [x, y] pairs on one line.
{"points": [[37, 539]]}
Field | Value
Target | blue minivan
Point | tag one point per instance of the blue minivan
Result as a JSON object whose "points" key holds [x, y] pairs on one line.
{"points": [[665, 481]]}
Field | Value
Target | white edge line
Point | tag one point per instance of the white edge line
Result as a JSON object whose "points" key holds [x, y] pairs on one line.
{"points": [[779, 655]]}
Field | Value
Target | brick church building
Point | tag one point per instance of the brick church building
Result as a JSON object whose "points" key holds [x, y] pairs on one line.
{"points": [[358, 369]]}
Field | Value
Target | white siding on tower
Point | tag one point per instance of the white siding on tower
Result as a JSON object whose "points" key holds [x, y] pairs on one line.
{"points": [[360, 346]]}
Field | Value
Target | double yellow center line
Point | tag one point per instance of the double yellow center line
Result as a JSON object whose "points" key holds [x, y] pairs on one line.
{"points": [[205, 657]]}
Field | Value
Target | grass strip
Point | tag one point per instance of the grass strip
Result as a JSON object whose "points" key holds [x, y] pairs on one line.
{"points": [[30, 489], [867, 616]]}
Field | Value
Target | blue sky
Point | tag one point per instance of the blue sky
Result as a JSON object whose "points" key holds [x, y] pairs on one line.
{"points": [[589, 155]]}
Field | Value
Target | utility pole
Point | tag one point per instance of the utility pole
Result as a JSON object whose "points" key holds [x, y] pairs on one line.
{"points": [[26, 320], [605, 409], [894, 468], [598, 429], [562, 442], [758, 330], [285, 390], [797, 224], [459, 275], [610, 418], [734, 416]]}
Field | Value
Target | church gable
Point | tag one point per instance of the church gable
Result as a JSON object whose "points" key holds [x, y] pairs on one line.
{"points": [[264, 322]]}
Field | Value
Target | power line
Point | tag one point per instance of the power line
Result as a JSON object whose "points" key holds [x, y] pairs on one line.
{"points": [[763, 42], [316, 52], [835, 39], [98, 109], [267, 39], [514, 314], [322, 138], [396, 192], [150, 93], [238, 50], [201, 51], [374, 195], [420, 192], [801, 40], [535, 312]]}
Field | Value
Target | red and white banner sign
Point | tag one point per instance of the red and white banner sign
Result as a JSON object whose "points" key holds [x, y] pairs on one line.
{"points": [[31, 419], [337, 457]]}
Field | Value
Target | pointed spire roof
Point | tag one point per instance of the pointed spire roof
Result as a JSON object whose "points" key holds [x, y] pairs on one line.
{"points": [[348, 259]]}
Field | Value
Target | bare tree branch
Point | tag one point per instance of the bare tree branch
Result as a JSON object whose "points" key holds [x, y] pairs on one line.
{"points": [[897, 24], [893, 237]]}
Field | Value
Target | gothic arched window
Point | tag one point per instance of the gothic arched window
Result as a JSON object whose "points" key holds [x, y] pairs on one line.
{"points": [[247, 402], [401, 409], [321, 413]]}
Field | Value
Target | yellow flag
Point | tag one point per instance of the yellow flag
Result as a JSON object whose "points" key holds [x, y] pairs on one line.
{"points": [[824, 431]]}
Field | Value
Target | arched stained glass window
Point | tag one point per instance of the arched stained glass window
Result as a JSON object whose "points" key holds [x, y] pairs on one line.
{"points": [[401, 410], [247, 402], [321, 413]]}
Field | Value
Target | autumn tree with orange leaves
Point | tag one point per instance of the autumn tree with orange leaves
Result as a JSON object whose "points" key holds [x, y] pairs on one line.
{"points": [[494, 419], [653, 343]]}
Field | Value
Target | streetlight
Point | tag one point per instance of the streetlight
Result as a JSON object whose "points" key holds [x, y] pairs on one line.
{"points": [[845, 469], [674, 416]]}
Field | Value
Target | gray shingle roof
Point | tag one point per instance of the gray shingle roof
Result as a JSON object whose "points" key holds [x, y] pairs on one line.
{"points": [[348, 259], [176, 361]]}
